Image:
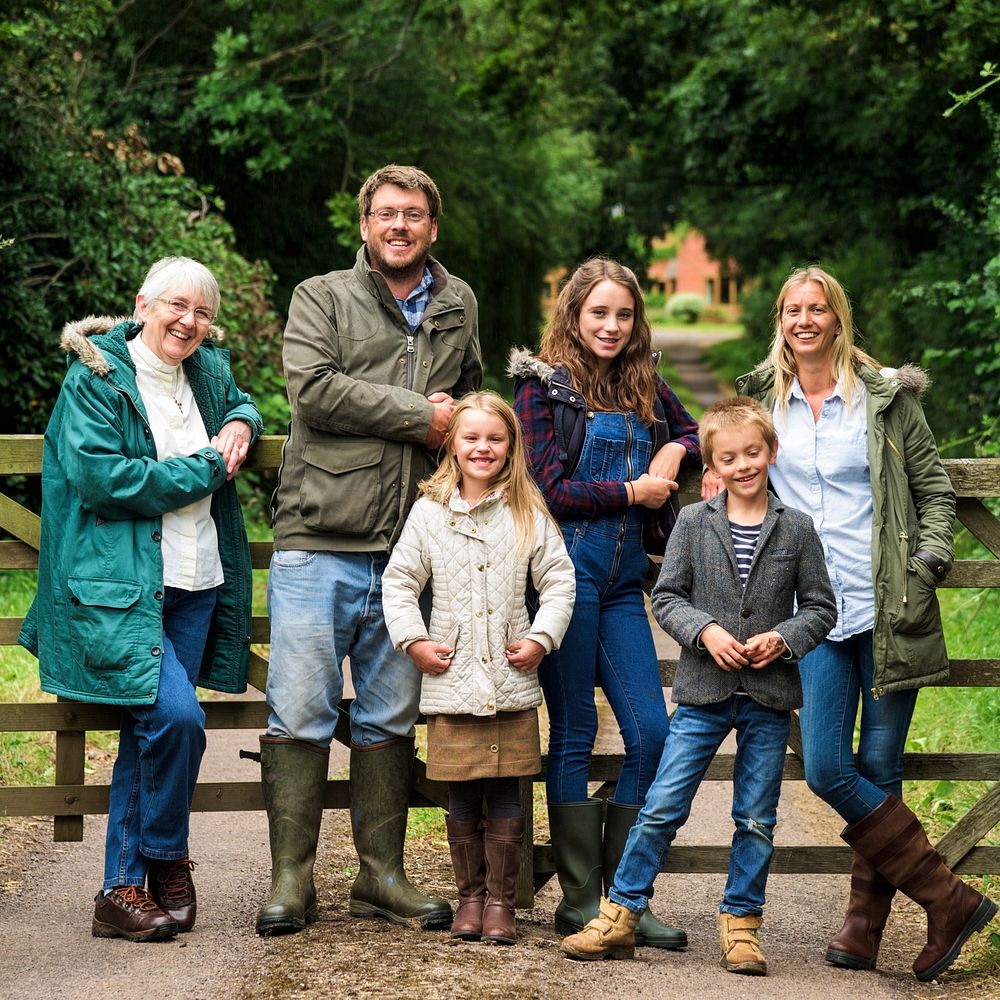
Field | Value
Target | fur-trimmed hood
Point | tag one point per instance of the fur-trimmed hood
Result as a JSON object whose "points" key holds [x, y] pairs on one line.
{"points": [[910, 377], [523, 364], [76, 340]]}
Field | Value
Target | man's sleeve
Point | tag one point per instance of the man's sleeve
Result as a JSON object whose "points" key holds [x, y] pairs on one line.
{"points": [[323, 396]]}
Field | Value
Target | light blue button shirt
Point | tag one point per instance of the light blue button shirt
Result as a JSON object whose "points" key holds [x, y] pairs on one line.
{"points": [[822, 468]]}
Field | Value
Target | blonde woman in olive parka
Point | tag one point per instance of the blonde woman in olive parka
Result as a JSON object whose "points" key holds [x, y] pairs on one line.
{"points": [[856, 453]]}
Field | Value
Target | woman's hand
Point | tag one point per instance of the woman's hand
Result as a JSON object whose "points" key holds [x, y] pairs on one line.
{"points": [[232, 443], [728, 652], [430, 657], [652, 491], [525, 655], [765, 648], [711, 484]]}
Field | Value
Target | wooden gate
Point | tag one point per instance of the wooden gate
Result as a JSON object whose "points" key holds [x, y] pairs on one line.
{"points": [[69, 799]]}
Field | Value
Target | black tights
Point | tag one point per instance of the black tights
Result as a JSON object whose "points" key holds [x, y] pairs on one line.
{"points": [[503, 799]]}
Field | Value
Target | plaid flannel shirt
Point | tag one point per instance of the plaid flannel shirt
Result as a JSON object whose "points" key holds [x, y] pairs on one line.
{"points": [[415, 304], [572, 498]]}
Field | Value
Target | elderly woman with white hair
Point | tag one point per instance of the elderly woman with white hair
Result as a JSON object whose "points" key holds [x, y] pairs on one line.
{"points": [[144, 570]]}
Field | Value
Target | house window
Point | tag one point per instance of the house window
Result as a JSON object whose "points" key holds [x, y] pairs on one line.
{"points": [[709, 291]]}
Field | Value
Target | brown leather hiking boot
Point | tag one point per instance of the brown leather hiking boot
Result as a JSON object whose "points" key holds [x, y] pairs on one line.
{"points": [[740, 945], [172, 889], [127, 911], [611, 934]]}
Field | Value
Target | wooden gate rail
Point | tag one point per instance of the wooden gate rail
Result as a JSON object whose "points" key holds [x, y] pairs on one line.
{"points": [[70, 798]]}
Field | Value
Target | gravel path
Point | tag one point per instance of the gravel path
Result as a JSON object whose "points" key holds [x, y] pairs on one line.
{"points": [[46, 904]]}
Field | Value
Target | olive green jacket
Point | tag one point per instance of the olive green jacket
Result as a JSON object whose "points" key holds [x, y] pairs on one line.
{"points": [[913, 511], [358, 381]]}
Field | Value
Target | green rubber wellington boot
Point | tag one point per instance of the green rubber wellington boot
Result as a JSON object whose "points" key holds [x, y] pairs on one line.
{"points": [[649, 932], [380, 798], [293, 779], [575, 828]]}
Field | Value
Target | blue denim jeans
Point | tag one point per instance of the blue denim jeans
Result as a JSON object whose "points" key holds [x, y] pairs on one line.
{"points": [[608, 643], [160, 750], [325, 606], [696, 732], [835, 675]]}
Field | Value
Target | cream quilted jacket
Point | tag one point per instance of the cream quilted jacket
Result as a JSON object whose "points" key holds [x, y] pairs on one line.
{"points": [[478, 600]]}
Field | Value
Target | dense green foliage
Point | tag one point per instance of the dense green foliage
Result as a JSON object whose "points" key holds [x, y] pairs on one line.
{"points": [[239, 131]]}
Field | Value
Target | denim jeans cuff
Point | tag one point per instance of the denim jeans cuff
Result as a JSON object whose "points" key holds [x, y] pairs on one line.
{"points": [[740, 911], [629, 904]]}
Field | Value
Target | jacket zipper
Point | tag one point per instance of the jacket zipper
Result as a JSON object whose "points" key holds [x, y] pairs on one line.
{"points": [[410, 356], [904, 539], [628, 476]]}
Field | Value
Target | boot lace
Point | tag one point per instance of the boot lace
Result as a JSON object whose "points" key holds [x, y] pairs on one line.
{"points": [[136, 897], [173, 879]]}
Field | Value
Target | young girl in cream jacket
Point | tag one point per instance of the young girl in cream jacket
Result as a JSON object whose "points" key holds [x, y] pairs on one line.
{"points": [[480, 531]]}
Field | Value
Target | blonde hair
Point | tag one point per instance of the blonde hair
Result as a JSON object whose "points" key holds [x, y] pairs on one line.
{"points": [[522, 495], [729, 414], [846, 356], [630, 384]]}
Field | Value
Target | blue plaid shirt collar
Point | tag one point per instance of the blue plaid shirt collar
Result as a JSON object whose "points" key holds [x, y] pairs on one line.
{"points": [[415, 304]]}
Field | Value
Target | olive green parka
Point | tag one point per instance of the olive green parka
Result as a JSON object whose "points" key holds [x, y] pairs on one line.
{"points": [[913, 510], [96, 623]]}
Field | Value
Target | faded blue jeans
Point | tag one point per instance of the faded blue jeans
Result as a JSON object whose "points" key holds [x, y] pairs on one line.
{"points": [[160, 750], [835, 675], [696, 732], [325, 606]]}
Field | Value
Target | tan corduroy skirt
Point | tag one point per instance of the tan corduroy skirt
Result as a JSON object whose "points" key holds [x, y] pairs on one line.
{"points": [[464, 747]]}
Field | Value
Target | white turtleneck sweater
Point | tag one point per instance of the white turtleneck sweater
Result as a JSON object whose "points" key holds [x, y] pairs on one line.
{"points": [[190, 544]]}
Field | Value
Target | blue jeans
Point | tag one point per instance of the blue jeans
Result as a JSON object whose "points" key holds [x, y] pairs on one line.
{"points": [[696, 732], [834, 676], [609, 644], [325, 606], [160, 750]]}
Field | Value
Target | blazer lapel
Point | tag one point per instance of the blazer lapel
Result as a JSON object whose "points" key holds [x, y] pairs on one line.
{"points": [[720, 525]]}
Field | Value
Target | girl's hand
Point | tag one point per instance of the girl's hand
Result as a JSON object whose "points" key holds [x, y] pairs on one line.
{"points": [[430, 657], [525, 654], [765, 648], [727, 652], [666, 462], [711, 485], [652, 491]]}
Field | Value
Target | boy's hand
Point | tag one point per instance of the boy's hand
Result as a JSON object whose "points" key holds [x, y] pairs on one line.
{"points": [[430, 657], [725, 650], [525, 655], [764, 649]]}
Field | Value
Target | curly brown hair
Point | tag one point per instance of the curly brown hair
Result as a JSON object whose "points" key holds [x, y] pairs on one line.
{"points": [[630, 384]]}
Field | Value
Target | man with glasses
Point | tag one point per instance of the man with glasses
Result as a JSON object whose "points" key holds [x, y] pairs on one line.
{"points": [[374, 360]]}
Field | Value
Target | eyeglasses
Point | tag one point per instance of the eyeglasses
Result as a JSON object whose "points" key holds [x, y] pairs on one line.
{"points": [[414, 215], [181, 308]]}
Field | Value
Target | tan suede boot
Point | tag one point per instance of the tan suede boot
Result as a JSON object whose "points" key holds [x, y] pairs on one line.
{"points": [[611, 934], [740, 945]]}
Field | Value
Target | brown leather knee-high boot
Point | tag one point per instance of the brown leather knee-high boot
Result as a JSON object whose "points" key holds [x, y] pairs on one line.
{"points": [[856, 944], [893, 842], [502, 845], [465, 838]]}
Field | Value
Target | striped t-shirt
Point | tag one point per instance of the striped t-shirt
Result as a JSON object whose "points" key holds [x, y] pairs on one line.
{"points": [[744, 541]]}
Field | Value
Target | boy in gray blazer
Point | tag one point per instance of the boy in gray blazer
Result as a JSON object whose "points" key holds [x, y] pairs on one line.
{"points": [[744, 590]]}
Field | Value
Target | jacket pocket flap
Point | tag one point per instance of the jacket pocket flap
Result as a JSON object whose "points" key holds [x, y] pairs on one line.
{"points": [[343, 455], [104, 593]]}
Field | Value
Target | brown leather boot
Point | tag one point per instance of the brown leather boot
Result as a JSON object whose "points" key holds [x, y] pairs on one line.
{"points": [[465, 838], [856, 944], [894, 842], [611, 934], [740, 945], [502, 847], [127, 911], [172, 889]]}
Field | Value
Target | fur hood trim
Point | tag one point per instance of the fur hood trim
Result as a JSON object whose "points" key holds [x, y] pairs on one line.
{"points": [[76, 336], [523, 364], [910, 377]]}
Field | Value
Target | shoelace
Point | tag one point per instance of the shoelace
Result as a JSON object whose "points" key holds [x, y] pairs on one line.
{"points": [[173, 880], [135, 896]]}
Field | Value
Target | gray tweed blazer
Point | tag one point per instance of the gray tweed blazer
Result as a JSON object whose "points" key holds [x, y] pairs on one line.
{"points": [[699, 584]]}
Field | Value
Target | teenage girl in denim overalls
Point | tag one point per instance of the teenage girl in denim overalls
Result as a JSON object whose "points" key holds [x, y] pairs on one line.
{"points": [[595, 357]]}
